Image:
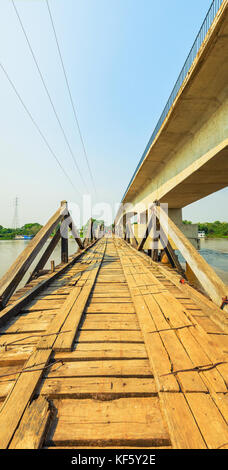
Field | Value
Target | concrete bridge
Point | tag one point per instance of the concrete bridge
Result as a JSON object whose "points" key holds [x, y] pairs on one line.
{"points": [[186, 158]]}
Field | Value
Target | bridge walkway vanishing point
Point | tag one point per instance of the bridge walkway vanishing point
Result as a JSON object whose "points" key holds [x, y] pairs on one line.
{"points": [[114, 352]]}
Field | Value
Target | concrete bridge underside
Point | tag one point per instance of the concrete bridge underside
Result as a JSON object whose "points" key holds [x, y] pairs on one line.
{"points": [[188, 159]]}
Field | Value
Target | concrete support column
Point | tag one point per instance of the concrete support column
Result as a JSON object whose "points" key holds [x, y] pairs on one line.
{"points": [[190, 231]]}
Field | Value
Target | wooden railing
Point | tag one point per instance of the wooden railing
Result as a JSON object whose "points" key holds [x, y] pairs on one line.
{"points": [[211, 283], [11, 279]]}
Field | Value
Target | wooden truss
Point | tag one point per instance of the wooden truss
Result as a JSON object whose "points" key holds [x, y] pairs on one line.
{"points": [[208, 279], [16, 272]]}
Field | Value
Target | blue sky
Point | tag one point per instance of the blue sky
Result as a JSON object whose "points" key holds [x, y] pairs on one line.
{"points": [[122, 59]]}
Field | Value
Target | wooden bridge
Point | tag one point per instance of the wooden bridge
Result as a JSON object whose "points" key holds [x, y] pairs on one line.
{"points": [[109, 349], [112, 347]]}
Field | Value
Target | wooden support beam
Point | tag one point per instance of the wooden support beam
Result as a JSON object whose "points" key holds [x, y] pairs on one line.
{"points": [[23, 391], [64, 249], [16, 272], [132, 238], [89, 234], [100, 230], [46, 255], [146, 233], [64, 238], [170, 252], [207, 277], [76, 235], [33, 426]]}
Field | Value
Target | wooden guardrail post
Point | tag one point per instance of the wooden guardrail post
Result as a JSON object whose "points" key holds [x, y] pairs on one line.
{"points": [[52, 266], [75, 234], [46, 255], [16, 272], [89, 233], [146, 233], [207, 277], [64, 235], [131, 235]]}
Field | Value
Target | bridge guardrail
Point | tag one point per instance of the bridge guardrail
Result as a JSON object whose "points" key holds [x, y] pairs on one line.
{"points": [[212, 12]]}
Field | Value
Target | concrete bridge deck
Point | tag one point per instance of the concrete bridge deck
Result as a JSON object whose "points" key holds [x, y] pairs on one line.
{"points": [[114, 352]]}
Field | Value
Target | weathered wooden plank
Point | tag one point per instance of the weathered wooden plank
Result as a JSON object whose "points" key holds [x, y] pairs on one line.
{"points": [[104, 351], [65, 342], [189, 380], [109, 336], [157, 353], [110, 308], [22, 392], [9, 372], [92, 387], [208, 325], [98, 298], [166, 310], [111, 280], [5, 388], [113, 368], [15, 357], [42, 304], [57, 323], [18, 340], [221, 401], [210, 421], [135, 421], [110, 321], [109, 269], [168, 447], [183, 429], [33, 426], [29, 327], [109, 325], [196, 344]]}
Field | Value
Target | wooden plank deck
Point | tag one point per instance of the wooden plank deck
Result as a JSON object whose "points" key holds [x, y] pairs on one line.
{"points": [[113, 352]]}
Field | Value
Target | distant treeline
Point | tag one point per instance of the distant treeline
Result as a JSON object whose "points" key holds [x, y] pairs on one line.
{"points": [[33, 229], [27, 229], [215, 229]]}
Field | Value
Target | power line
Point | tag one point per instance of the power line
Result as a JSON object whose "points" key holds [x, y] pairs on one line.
{"points": [[70, 95], [36, 125], [48, 93]]}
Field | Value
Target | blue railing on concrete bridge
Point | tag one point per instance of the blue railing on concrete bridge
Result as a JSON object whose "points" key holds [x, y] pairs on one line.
{"points": [[212, 12]]}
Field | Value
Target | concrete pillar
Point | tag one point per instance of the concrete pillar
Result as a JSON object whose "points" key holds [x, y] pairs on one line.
{"points": [[190, 231]]}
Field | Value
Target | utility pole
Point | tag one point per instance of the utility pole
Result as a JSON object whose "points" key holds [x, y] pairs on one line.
{"points": [[15, 223]]}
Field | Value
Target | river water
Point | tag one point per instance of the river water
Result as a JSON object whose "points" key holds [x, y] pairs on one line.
{"points": [[215, 252], [10, 249]]}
